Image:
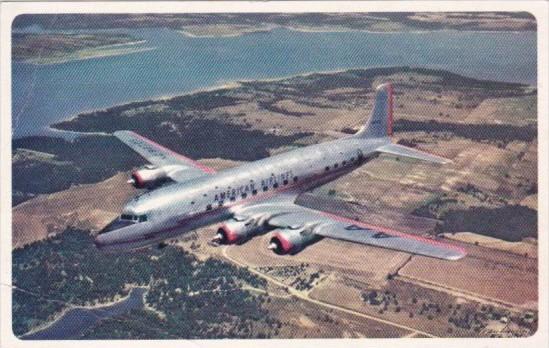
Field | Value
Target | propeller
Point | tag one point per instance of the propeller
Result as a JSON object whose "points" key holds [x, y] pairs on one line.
{"points": [[218, 238]]}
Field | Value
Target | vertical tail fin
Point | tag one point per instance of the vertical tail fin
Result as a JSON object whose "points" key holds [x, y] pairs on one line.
{"points": [[380, 123]]}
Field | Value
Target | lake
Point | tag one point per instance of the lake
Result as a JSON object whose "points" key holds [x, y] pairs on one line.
{"points": [[74, 322], [42, 95]]}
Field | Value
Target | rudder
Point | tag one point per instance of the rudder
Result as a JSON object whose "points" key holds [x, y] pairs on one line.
{"points": [[380, 123]]}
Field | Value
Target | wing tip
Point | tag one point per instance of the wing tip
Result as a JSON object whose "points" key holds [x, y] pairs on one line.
{"points": [[456, 257], [444, 160], [120, 133], [385, 86], [456, 254], [441, 159]]}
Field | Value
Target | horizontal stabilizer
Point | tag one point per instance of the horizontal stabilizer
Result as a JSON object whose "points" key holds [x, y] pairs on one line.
{"points": [[399, 150]]}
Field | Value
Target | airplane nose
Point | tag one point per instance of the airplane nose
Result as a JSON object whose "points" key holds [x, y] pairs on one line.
{"points": [[98, 241]]}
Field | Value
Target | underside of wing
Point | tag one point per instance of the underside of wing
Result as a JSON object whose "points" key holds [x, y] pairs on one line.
{"points": [[322, 224], [176, 166]]}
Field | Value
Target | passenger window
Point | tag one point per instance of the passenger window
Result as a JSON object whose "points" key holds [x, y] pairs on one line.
{"points": [[143, 218], [265, 188], [244, 195], [192, 202]]}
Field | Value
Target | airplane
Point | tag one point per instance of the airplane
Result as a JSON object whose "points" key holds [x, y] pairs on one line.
{"points": [[259, 197]]}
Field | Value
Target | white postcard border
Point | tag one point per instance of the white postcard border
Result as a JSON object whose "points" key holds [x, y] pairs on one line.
{"points": [[539, 9]]}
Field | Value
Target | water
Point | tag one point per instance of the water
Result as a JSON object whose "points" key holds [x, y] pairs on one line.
{"points": [[43, 95], [76, 321]]}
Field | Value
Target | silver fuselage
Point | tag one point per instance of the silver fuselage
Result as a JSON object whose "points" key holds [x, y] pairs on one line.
{"points": [[177, 208]]}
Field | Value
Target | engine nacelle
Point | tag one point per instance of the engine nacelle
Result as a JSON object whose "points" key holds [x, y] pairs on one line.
{"points": [[288, 241], [148, 177], [239, 231]]}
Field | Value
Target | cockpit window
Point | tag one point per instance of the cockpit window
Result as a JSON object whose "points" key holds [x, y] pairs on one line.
{"points": [[129, 217]]}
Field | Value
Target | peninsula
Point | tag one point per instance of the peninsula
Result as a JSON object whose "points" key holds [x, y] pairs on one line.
{"points": [[57, 48]]}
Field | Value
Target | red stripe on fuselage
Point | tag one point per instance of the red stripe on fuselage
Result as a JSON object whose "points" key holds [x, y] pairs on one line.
{"points": [[205, 169]]}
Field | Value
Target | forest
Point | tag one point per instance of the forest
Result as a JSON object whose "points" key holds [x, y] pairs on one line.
{"points": [[197, 299]]}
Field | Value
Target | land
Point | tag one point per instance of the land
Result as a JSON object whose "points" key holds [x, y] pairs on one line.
{"points": [[487, 128], [46, 164], [234, 24], [64, 271], [57, 48], [85, 206]]}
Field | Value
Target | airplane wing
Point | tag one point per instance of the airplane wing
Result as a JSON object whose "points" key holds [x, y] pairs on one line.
{"points": [[181, 168], [284, 214]]}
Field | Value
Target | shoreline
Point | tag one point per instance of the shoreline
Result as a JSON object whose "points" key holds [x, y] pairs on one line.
{"points": [[64, 311], [51, 128], [225, 85], [238, 33], [233, 34]]}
